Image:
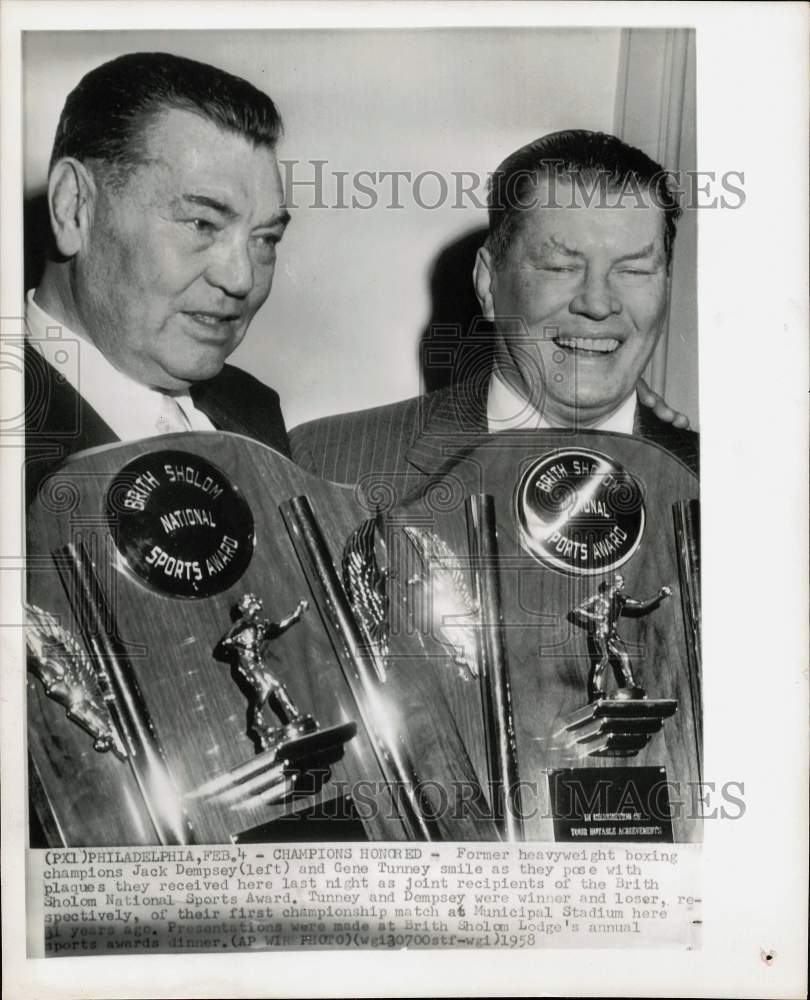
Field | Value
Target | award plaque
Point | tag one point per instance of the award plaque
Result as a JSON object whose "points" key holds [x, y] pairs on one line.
{"points": [[575, 683], [199, 672], [225, 648]]}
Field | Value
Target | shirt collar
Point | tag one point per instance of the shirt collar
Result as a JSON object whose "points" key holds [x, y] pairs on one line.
{"points": [[507, 410], [132, 410]]}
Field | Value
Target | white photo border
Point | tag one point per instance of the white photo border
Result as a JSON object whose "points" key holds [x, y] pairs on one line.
{"points": [[752, 90]]}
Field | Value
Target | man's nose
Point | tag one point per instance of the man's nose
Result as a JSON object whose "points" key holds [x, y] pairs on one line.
{"points": [[231, 269], [594, 297]]}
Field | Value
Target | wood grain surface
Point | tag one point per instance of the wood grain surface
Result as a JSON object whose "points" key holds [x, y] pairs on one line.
{"points": [[549, 660], [198, 709]]}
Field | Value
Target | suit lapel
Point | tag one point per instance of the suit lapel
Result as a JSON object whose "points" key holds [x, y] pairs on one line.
{"points": [[449, 421], [55, 411], [236, 402], [648, 426], [641, 422], [208, 398], [58, 422]]}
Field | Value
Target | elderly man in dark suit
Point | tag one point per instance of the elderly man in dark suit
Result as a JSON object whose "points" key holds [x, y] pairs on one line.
{"points": [[166, 207], [575, 276]]}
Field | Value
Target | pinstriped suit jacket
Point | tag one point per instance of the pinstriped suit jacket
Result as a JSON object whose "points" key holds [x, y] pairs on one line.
{"points": [[403, 443]]}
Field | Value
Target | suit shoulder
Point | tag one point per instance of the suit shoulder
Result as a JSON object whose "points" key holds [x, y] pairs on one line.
{"points": [[683, 444], [340, 422], [686, 445], [343, 446]]}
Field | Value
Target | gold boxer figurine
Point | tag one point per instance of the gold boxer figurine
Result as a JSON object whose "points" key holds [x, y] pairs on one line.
{"points": [[246, 637], [602, 612]]}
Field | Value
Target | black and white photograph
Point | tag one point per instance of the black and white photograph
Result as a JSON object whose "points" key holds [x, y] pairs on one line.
{"points": [[368, 425], [456, 681]]}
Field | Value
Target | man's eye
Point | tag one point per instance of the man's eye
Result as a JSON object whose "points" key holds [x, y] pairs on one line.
{"points": [[559, 268], [202, 226], [267, 239], [636, 271], [265, 247]]}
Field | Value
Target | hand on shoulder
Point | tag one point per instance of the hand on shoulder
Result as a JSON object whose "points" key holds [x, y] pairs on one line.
{"points": [[660, 407]]}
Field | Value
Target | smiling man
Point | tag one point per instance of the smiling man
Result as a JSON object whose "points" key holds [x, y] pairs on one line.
{"points": [[166, 206], [574, 274]]}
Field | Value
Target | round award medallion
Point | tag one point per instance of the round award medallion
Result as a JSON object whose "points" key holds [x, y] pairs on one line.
{"points": [[579, 512], [179, 524]]}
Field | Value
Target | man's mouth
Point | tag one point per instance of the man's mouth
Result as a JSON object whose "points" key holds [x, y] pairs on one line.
{"points": [[216, 323], [213, 318], [588, 345]]}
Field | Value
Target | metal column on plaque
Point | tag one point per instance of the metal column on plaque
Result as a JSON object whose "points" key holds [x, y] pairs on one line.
{"points": [[468, 620], [686, 517], [496, 698], [129, 716], [360, 662]]}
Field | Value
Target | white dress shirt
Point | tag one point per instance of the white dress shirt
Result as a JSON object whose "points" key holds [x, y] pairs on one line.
{"points": [[508, 411], [131, 410]]}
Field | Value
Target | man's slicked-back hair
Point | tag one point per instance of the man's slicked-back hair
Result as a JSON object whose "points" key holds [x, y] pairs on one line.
{"points": [[107, 113], [586, 158]]}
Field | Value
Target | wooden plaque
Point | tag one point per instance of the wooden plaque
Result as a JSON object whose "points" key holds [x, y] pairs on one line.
{"points": [[196, 705], [548, 650]]}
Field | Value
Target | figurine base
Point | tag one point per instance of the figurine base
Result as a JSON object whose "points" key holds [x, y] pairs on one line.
{"points": [[615, 727], [272, 775], [270, 739]]}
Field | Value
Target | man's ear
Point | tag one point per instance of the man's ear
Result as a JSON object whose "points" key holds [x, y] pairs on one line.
{"points": [[484, 280], [71, 194]]}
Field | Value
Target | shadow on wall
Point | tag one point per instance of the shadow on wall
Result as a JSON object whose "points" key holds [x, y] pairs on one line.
{"points": [[36, 237], [457, 343]]}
